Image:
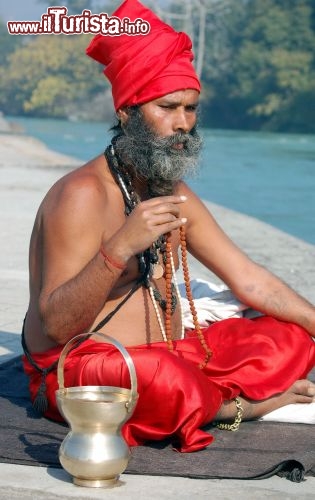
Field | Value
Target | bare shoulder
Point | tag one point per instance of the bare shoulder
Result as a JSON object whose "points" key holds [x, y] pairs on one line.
{"points": [[71, 221], [207, 241], [78, 208], [194, 207], [200, 221], [80, 190]]}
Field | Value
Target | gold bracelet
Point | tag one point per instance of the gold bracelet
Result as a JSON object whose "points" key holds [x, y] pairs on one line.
{"points": [[238, 419]]}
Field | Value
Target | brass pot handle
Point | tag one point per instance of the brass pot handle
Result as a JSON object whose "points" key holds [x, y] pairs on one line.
{"points": [[108, 340]]}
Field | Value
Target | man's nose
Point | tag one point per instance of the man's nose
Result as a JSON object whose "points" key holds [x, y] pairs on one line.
{"points": [[181, 122]]}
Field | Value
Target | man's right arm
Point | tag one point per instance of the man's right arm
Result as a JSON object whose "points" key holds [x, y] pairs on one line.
{"points": [[76, 279], [72, 307]]}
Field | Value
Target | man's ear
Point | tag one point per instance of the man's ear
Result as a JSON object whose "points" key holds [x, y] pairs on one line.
{"points": [[122, 115]]}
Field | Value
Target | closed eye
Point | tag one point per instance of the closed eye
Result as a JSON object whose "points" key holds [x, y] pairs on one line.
{"points": [[168, 106], [192, 107]]}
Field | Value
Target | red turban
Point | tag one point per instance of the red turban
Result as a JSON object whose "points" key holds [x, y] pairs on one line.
{"points": [[144, 67]]}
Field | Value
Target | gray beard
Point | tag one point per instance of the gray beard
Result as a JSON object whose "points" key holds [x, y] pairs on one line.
{"points": [[154, 158]]}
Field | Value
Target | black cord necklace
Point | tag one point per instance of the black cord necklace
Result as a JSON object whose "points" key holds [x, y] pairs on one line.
{"points": [[148, 261]]}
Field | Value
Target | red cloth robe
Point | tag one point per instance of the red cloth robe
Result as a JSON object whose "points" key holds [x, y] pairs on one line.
{"points": [[252, 358]]}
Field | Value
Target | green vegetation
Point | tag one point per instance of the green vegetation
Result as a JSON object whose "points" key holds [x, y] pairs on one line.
{"points": [[50, 76], [267, 80], [8, 44], [258, 67]]}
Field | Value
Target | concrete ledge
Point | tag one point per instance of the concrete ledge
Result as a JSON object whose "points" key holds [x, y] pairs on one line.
{"points": [[38, 483]]}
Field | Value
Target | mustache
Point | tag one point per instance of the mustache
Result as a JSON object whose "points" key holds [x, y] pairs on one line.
{"points": [[147, 143], [174, 140]]}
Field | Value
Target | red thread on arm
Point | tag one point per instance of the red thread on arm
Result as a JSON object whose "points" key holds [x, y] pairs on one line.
{"points": [[111, 261]]}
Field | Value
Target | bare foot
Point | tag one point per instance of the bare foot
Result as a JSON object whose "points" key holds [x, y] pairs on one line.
{"points": [[302, 391]]}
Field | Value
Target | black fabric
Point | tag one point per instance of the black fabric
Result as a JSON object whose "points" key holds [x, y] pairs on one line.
{"points": [[256, 451]]}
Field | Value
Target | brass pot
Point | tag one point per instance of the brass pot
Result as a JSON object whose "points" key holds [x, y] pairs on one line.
{"points": [[94, 451]]}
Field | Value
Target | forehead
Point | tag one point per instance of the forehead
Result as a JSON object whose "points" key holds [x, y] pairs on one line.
{"points": [[180, 97]]}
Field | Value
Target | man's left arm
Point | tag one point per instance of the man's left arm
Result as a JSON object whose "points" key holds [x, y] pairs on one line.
{"points": [[250, 282], [266, 293]]}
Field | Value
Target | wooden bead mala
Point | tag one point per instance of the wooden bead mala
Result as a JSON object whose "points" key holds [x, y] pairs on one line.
{"points": [[168, 285], [190, 298]]}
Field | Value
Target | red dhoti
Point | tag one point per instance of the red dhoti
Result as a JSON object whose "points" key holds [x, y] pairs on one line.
{"points": [[253, 358]]}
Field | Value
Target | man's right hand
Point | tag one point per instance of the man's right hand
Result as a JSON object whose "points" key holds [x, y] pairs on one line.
{"points": [[148, 221]]}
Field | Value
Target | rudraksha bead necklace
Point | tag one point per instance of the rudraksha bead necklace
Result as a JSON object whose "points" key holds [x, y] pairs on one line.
{"points": [[190, 298], [169, 274], [148, 261]]}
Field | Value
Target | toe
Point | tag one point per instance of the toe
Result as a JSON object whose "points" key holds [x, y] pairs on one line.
{"points": [[303, 388], [311, 389]]}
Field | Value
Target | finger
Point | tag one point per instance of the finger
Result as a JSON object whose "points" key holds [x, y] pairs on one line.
{"points": [[303, 399], [162, 218], [311, 389], [149, 213], [174, 199], [167, 208], [171, 226]]}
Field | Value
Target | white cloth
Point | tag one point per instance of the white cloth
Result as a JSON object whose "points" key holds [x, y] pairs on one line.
{"points": [[298, 413], [212, 302]]}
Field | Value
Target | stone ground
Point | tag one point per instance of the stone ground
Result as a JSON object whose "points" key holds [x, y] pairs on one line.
{"points": [[27, 170]]}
